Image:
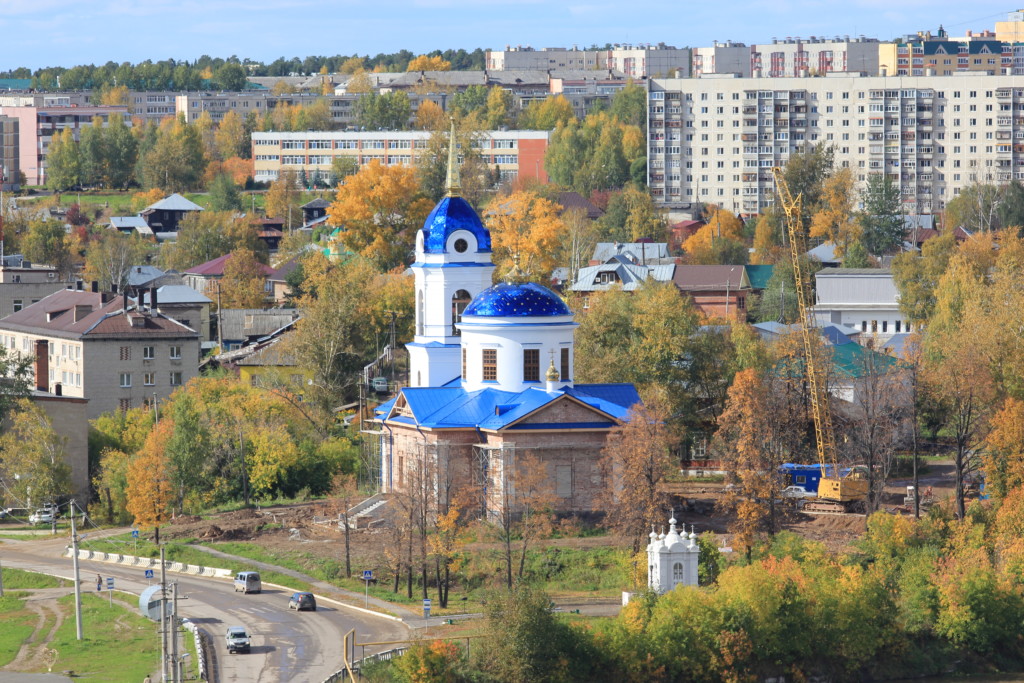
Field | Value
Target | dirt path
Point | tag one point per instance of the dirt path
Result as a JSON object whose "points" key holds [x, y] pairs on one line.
{"points": [[34, 654]]}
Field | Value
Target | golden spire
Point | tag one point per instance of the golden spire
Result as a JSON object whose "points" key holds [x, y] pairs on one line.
{"points": [[515, 274], [452, 182], [552, 374]]}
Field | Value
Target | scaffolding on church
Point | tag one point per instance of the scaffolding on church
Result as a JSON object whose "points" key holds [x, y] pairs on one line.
{"points": [[494, 468], [371, 454]]}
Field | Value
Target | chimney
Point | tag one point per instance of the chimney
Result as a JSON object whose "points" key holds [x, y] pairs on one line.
{"points": [[42, 365], [152, 299], [124, 301]]}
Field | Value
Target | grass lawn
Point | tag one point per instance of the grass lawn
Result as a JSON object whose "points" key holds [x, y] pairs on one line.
{"points": [[18, 578], [18, 624], [107, 630], [564, 573]]}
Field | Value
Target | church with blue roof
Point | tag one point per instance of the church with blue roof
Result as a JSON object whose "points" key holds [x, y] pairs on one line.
{"points": [[492, 399]]}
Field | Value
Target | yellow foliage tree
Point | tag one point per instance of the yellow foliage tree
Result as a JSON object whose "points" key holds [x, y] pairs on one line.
{"points": [[835, 221], [149, 491], [352, 65], [359, 83], [140, 200], [243, 283], [117, 96], [425, 63], [430, 116], [379, 210], [719, 224], [525, 227]]}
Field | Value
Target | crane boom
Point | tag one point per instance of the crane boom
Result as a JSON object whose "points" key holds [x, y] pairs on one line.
{"points": [[832, 485]]}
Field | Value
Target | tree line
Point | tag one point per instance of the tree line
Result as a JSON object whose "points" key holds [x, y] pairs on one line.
{"points": [[216, 73]]}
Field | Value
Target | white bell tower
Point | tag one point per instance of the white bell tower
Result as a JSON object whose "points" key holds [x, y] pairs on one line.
{"points": [[453, 265]]}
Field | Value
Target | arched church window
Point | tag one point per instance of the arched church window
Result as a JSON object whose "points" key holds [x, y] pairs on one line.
{"points": [[677, 573], [460, 300]]}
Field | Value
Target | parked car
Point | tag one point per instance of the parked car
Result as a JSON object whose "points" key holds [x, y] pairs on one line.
{"points": [[248, 582], [797, 492], [237, 639], [302, 601], [14, 513], [42, 517]]}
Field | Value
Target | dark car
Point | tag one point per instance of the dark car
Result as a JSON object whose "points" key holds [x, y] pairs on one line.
{"points": [[302, 601]]}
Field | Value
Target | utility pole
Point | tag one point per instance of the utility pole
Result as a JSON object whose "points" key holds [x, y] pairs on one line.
{"points": [[78, 583], [174, 631], [163, 616]]}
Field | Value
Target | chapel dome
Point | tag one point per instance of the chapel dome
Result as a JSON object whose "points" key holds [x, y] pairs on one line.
{"points": [[453, 213], [525, 299]]}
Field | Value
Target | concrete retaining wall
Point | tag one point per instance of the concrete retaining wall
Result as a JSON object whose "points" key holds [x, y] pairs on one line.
{"points": [[151, 563]]}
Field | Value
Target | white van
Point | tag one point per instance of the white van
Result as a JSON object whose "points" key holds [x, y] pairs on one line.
{"points": [[248, 582]]}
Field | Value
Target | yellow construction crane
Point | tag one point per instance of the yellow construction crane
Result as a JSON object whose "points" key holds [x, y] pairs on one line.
{"points": [[834, 490]]}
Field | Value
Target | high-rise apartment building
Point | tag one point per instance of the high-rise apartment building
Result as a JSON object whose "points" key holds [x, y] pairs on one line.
{"points": [[716, 139], [635, 61], [788, 57]]}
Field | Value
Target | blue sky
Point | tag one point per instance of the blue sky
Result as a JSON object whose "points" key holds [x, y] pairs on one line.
{"points": [[38, 33]]}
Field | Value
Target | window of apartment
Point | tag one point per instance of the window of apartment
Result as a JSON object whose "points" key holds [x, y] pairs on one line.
{"points": [[899, 324], [126, 353], [490, 359], [175, 353], [885, 326], [149, 379], [126, 379], [148, 353], [175, 379], [565, 365], [19, 304]]}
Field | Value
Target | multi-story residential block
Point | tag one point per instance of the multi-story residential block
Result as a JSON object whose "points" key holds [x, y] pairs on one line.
{"points": [[9, 159], [23, 284], [516, 153], [102, 347], [716, 139], [788, 57], [940, 55], [635, 61], [38, 124]]}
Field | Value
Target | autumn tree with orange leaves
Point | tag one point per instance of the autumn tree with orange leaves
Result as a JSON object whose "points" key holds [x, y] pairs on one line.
{"points": [[150, 492], [379, 210], [634, 462], [525, 227]]}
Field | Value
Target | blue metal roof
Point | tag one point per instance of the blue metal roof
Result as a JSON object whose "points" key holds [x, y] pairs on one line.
{"points": [[453, 407], [521, 299], [451, 214]]}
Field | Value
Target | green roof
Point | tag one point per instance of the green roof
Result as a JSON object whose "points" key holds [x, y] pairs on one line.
{"points": [[854, 360], [759, 276], [15, 83]]}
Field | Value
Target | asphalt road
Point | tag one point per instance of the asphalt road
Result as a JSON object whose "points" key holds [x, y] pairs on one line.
{"points": [[286, 645]]}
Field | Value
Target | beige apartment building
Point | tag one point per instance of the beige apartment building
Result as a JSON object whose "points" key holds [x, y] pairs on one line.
{"points": [[635, 61], [715, 139], [102, 347], [788, 57], [514, 152], [23, 284]]}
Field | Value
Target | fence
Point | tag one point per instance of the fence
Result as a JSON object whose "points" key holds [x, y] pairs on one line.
{"points": [[205, 657], [385, 656]]}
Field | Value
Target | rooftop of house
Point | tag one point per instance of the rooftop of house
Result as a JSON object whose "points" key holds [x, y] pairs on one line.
{"points": [[139, 276], [215, 268], [759, 275], [242, 323], [76, 314], [636, 252], [710, 278], [627, 275], [169, 295], [570, 201], [174, 202], [272, 354], [318, 203]]}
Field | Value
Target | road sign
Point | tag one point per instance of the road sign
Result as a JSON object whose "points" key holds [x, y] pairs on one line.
{"points": [[135, 533], [110, 583], [149, 573], [367, 574], [426, 608]]}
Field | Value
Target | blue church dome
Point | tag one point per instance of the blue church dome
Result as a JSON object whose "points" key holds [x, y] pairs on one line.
{"points": [[520, 299], [451, 214]]}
